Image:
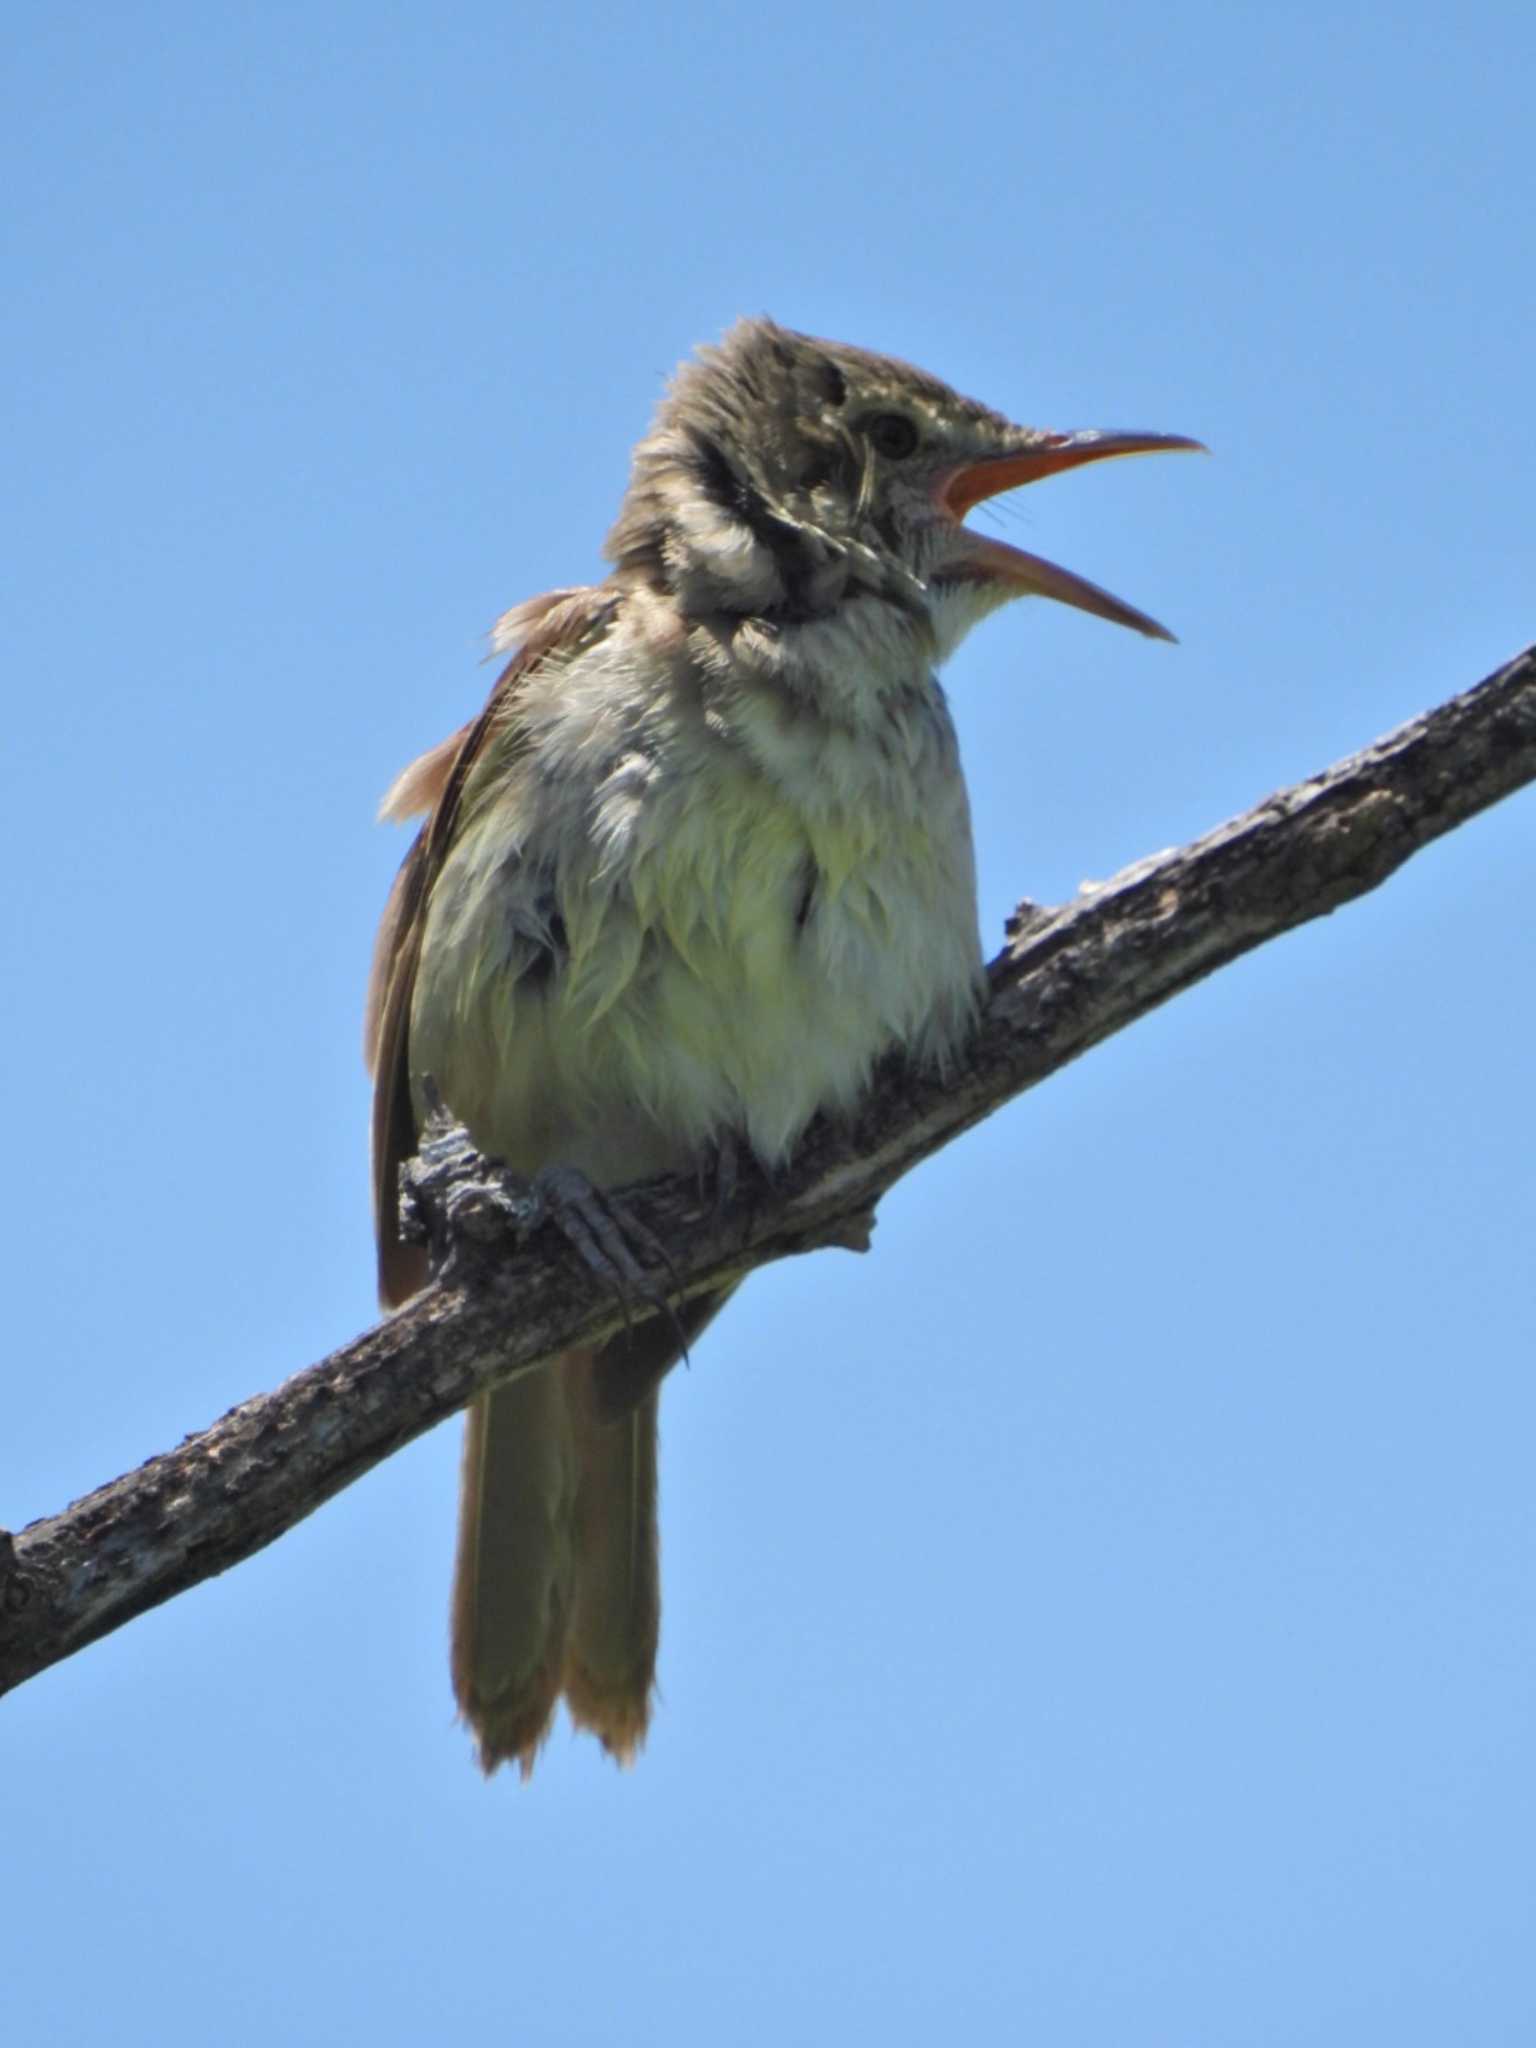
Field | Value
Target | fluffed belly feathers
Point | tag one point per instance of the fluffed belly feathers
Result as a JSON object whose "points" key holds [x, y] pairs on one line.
{"points": [[691, 955]]}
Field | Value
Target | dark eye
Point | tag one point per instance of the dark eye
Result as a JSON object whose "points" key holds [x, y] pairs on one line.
{"points": [[892, 435]]}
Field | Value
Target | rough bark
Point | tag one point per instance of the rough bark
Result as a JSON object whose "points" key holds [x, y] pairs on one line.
{"points": [[507, 1294]]}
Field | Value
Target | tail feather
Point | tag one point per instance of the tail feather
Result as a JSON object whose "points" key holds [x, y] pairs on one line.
{"points": [[514, 1579], [610, 1659]]}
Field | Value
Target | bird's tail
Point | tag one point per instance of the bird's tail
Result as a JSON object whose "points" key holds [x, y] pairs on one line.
{"points": [[557, 1585], [610, 1650]]}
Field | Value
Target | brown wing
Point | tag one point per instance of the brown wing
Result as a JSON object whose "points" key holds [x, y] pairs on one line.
{"points": [[437, 781]]}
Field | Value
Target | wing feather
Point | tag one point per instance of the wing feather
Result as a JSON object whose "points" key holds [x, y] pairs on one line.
{"points": [[436, 782]]}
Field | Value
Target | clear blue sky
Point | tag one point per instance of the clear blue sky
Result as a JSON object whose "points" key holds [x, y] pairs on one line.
{"points": [[1104, 1616]]}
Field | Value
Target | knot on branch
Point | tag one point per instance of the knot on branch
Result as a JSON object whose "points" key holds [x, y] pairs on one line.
{"points": [[452, 1196], [15, 1584]]}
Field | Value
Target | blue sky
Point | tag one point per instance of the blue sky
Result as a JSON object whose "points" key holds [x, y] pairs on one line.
{"points": [[1105, 1614]]}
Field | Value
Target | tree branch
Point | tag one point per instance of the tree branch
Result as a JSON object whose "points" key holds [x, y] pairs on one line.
{"points": [[1066, 979]]}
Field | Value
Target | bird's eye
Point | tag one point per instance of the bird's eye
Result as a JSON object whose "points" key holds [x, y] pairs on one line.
{"points": [[892, 435]]}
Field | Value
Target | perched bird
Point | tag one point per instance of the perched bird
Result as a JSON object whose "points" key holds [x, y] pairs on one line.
{"points": [[702, 859]]}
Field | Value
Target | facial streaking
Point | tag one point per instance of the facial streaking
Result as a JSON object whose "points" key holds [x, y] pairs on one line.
{"points": [[785, 473]]}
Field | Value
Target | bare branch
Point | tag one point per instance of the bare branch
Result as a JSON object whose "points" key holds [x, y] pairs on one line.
{"points": [[1067, 979]]}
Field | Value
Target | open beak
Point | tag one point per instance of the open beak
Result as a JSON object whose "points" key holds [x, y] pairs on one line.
{"points": [[1049, 454]]}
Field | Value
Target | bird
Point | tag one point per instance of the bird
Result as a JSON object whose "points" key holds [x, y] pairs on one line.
{"points": [[701, 861]]}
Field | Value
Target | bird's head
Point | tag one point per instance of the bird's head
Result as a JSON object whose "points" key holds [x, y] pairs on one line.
{"points": [[784, 475]]}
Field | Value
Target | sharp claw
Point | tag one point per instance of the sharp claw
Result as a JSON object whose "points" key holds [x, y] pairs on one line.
{"points": [[630, 1228], [720, 1172], [604, 1237]]}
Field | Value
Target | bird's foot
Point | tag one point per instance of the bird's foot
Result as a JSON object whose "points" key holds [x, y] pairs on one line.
{"points": [[451, 1191], [607, 1237], [731, 1175], [727, 1168]]}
